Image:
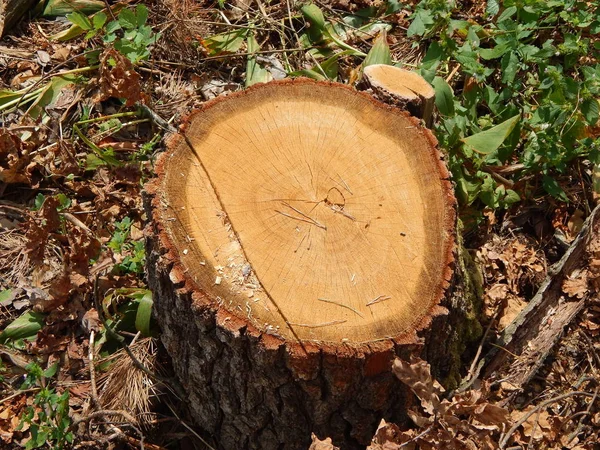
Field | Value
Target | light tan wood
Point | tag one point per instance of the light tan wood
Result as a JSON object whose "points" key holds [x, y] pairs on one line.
{"points": [[312, 211], [407, 88]]}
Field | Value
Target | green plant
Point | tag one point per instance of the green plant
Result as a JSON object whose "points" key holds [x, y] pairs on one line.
{"points": [[125, 309], [48, 416], [129, 33], [526, 94], [133, 251], [108, 125]]}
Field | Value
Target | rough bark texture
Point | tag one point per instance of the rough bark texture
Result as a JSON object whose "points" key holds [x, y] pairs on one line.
{"points": [[252, 389], [249, 392], [11, 11]]}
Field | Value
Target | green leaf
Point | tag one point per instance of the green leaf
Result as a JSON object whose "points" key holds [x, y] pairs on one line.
{"points": [[507, 14], [51, 371], [142, 14], [6, 295], [380, 52], [327, 70], [313, 14], [127, 19], [511, 197], [487, 141], [50, 95], [228, 42], [492, 7], [552, 188], [254, 72], [393, 6], [444, 97], [25, 326], [590, 110], [510, 66], [112, 27], [144, 314], [493, 53], [81, 20], [418, 27], [55, 8], [99, 20]]}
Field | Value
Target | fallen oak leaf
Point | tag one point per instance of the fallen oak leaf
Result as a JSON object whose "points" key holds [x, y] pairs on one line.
{"points": [[417, 375], [119, 79], [389, 437]]}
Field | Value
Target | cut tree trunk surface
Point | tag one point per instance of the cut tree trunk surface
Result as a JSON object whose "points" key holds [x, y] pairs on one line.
{"points": [[301, 233]]}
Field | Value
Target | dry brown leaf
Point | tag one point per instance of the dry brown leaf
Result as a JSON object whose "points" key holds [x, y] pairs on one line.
{"points": [[576, 284], [536, 426], [417, 375], [318, 444], [119, 79], [91, 321], [513, 308], [14, 159], [389, 437]]}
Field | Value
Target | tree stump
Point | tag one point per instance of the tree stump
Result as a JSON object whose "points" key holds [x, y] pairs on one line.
{"points": [[404, 88], [301, 235]]}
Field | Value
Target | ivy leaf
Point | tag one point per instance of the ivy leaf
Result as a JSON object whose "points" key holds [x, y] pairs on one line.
{"points": [[551, 186], [444, 97], [487, 141], [590, 110], [418, 27]]}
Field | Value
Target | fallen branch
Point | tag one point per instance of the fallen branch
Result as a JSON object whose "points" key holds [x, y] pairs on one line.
{"points": [[535, 331]]}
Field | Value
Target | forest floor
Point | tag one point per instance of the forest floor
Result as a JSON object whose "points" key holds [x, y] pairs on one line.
{"points": [[86, 99]]}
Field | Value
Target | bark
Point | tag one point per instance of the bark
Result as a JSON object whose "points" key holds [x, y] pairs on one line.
{"points": [[11, 12], [248, 392]]}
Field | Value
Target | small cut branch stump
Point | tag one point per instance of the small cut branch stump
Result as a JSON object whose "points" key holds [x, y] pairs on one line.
{"points": [[301, 236]]}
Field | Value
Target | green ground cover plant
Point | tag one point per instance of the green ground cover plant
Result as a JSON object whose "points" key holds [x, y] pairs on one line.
{"points": [[530, 82]]}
